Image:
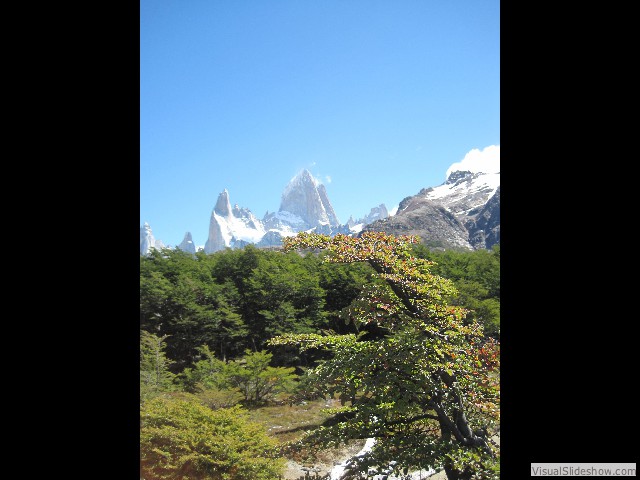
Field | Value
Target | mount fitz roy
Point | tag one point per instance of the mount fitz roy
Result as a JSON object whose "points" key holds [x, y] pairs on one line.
{"points": [[462, 213], [304, 206]]}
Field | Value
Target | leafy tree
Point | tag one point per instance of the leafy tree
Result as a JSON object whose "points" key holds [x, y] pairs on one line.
{"points": [[250, 375], [182, 439], [258, 381], [155, 376], [207, 373], [425, 386]]}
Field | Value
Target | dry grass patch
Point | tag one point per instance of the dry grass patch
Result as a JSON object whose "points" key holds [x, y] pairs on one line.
{"points": [[290, 422]]}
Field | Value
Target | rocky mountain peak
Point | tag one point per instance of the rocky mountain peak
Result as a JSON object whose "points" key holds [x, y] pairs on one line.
{"points": [[147, 240], [223, 206], [306, 198], [187, 244], [377, 213], [458, 176], [463, 212]]}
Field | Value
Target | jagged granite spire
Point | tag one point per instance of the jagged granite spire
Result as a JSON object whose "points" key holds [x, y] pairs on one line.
{"points": [[377, 213], [223, 206], [187, 244], [231, 227], [333, 219], [216, 241]]}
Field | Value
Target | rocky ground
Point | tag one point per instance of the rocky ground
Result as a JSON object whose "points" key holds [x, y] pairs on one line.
{"points": [[327, 460], [323, 464]]}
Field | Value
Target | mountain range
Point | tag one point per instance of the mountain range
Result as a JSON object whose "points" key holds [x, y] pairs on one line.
{"points": [[462, 213]]}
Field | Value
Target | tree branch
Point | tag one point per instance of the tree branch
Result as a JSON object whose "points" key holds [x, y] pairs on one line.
{"points": [[412, 420], [401, 294]]}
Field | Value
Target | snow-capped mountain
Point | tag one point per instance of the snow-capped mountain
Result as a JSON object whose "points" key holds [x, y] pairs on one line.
{"points": [[484, 227], [306, 198], [304, 206], [231, 227], [464, 191], [376, 213], [463, 212]]}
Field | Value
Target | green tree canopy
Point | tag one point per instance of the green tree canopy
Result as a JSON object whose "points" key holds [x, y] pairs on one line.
{"points": [[233, 300], [180, 298]]}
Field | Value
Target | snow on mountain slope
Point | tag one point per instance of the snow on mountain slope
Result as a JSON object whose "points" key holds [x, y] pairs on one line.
{"points": [[304, 206], [464, 191], [230, 225], [250, 230]]}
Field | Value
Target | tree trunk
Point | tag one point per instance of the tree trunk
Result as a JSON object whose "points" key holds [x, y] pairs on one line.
{"points": [[453, 474], [462, 433]]}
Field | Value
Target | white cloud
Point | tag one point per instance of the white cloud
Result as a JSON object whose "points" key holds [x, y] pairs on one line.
{"points": [[327, 178], [486, 160]]}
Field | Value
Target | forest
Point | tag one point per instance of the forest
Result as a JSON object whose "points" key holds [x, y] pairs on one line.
{"points": [[404, 337]]}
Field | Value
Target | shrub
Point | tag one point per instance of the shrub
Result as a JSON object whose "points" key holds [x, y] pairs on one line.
{"points": [[183, 439]]}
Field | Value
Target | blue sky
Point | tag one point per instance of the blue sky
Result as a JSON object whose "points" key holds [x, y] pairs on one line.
{"points": [[377, 99]]}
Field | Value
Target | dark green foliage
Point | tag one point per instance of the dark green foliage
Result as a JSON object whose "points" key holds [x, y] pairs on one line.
{"points": [[281, 294], [238, 299], [180, 298], [200, 312], [342, 284]]}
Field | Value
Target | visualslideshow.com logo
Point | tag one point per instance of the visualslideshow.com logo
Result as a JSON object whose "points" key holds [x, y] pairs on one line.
{"points": [[583, 469]]}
